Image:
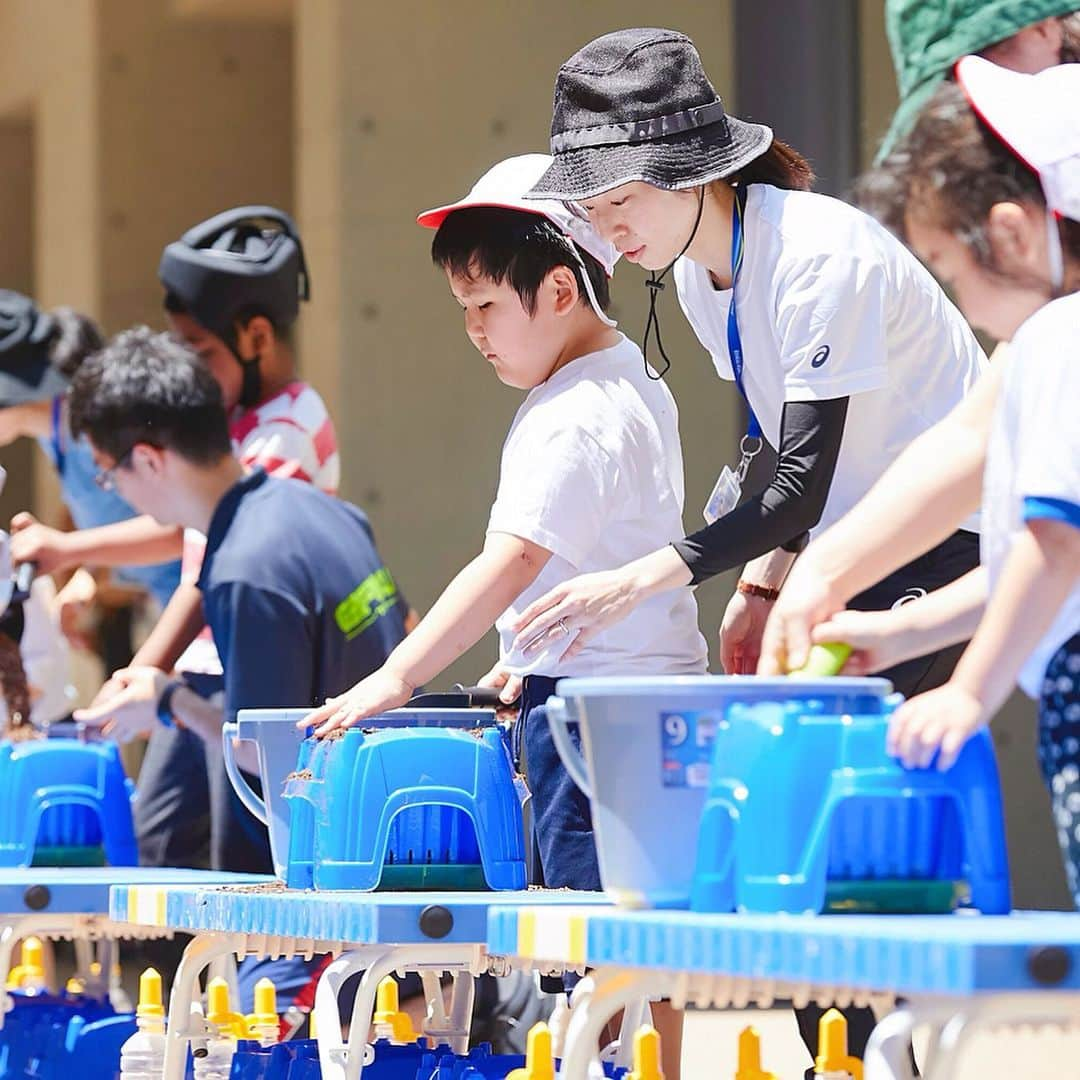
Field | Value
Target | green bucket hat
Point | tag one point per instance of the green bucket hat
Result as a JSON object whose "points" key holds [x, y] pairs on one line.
{"points": [[927, 37]]}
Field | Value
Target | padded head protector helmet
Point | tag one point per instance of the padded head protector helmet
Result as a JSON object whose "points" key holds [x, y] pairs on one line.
{"points": [[243, 260]]}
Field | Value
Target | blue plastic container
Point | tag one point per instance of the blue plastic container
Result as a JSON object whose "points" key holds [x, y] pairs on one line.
{"points": [[804, 804], [65, 794], [406, 807], [646, 753]]}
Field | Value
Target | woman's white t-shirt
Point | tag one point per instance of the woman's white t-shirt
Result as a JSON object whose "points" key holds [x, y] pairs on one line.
{"points": [[592, 470], [831, 305], [1034, 454]]}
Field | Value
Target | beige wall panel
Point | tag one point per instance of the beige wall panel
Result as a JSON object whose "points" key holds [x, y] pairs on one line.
{"points": [[196, 117], [400, 108]]}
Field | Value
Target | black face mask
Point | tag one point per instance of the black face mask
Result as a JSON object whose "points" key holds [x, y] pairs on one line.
{"points": [[654, 283], [251, 386]]}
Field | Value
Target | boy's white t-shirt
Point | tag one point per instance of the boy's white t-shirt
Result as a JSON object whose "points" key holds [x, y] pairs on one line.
{"points": [[592, 470], [1034, 453], [831, 305]]}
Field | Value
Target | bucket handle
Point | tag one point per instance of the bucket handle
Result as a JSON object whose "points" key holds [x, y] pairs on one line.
{"points": [[555, 713], [252, 803]]}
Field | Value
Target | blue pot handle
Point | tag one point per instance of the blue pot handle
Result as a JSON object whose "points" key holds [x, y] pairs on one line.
{"points": [[556, 714]]}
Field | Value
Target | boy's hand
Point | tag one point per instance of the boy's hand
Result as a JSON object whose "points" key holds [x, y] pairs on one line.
{"points": [[378, 693], [33, 542], [878, 639], [740, 633], [805, 600], [937, 722], [132, 712]]}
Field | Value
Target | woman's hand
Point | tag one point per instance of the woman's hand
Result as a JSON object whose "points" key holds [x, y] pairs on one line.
{"points": [[740, 633], [378, 693], [509, 687], [586, 605], [937, 722], [878, 639], [579, 608]]}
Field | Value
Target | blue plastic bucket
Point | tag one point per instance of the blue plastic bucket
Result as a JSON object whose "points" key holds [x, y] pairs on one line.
{"points": [[647, 747]]}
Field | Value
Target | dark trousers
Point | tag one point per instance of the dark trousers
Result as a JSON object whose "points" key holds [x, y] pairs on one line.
{"points": [[950, 560]]}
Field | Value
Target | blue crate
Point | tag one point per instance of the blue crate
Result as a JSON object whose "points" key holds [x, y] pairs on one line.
{"points": [[63, 793], [804, 803]]}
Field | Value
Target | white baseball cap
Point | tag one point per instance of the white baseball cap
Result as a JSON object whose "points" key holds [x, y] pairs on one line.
{"points": [[1037, 117], [504, 186]]}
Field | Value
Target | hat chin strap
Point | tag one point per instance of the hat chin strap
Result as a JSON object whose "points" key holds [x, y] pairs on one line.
{"points": [[1054, 253], [601, 314]]}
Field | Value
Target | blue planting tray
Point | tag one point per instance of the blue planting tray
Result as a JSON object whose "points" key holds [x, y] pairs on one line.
{"points": [[85, 890], [906, 954], [353, 917]]}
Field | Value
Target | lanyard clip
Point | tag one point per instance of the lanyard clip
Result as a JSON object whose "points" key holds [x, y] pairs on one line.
{"points": [[748, 451]]}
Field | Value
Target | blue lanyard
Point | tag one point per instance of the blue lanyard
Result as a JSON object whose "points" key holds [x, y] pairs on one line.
{"points": [[57, 445], [735, 349]]}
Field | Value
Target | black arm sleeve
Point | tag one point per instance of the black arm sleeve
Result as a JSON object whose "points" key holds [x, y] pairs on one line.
{"points": [[792, 504]]}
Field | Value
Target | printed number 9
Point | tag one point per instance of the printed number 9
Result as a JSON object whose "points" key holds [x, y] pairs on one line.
{"points": [[675, 730]]}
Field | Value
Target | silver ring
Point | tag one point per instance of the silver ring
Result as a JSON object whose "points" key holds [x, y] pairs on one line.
{"points": [[561, 624]]}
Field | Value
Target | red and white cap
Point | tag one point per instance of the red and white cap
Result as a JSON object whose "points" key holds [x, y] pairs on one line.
{"points": [[504, 186], [1037, 117]]}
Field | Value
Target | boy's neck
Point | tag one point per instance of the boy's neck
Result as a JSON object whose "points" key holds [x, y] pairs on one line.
{"points": [[277, 371], [590, 335], [206, 486]]}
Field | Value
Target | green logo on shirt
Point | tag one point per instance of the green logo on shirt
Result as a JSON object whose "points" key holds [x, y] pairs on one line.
{"points": [[373, 597]]}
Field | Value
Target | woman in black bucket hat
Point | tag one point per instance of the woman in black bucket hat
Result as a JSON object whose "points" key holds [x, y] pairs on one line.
{"points": [[842, 346]]}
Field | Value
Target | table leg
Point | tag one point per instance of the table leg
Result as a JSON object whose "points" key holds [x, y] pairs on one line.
{"points": [[201, 950], [327, 1012], [597, 998]]}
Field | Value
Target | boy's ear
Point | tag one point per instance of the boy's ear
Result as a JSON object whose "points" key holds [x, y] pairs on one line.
{"points": [[564, 289], [1009, 230], [256, 337]]}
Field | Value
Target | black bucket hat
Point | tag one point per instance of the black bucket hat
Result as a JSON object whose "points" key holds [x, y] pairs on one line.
{"points": [[637, 105], [26, 370]]}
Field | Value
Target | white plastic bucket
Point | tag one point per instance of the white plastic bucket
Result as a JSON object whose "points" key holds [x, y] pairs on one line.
{"points": [[645, 764]]}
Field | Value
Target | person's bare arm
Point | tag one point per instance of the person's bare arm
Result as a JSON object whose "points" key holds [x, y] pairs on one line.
{"points": [[139, 541]]}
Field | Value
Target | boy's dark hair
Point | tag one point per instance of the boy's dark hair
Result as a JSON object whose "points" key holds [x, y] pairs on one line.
{"points": [[145, 387], [956, 169], [74, 337], [515, 246]]}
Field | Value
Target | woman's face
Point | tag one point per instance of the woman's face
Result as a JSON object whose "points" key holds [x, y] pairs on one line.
{"points": [[1000, 300], [648, 225]]}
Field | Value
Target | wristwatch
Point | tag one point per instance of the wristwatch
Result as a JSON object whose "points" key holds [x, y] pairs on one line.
{"points": [[164, 704]]}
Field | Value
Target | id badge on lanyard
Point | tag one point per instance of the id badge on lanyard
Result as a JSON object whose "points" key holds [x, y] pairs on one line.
{"points": [[728, 490]]}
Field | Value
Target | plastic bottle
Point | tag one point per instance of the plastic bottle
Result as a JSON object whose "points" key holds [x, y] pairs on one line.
{"points": [[389, 1022], [749, 1067], [833, 1061], [263, 1022], [539, 1062], [646, 1055], [225, 1027], [29, 974], [142, 1057]]}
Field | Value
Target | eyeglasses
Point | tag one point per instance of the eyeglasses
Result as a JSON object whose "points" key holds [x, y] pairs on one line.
{"points": [[106, 478]]}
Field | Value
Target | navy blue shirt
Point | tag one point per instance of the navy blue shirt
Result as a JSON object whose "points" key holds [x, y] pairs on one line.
{"points": [[295, 594]]}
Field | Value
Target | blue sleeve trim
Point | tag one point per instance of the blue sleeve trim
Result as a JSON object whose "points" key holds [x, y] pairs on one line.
{"points": [[1056, 509]]}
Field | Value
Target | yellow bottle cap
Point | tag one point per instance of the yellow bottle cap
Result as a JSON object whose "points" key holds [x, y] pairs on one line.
{"points": [[832, 1047], [74, 985], [265, 1012], [387, 1012], [219, 1010], [539, 1061], [95, 967], [647, 1064], [749, 1067], [151, 1002]]}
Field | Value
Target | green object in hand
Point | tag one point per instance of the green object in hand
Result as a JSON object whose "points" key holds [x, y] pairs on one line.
{"points": [[824, 661]]}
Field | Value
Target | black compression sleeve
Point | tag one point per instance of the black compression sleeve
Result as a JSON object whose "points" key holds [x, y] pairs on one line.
{"points": [[792, 504]]}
